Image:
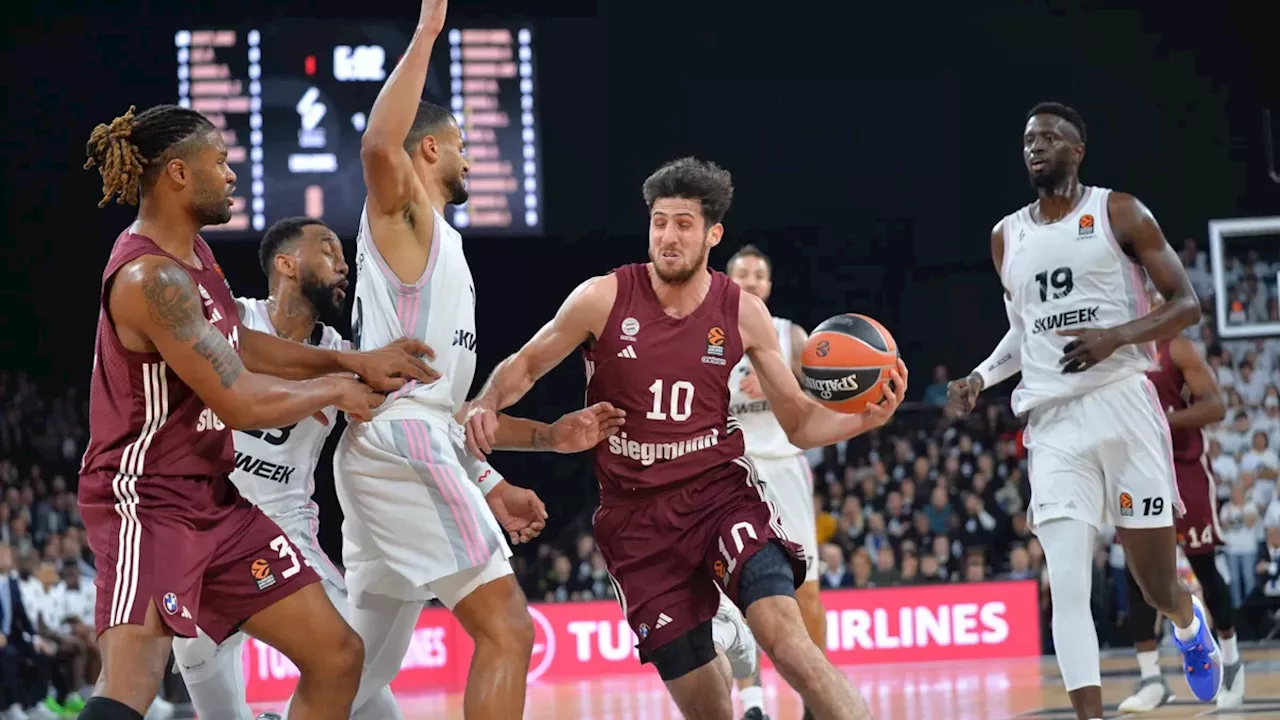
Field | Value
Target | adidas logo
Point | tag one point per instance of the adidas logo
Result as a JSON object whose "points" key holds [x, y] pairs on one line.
{"points": [[629, 352], [662, 620], [186, 614]]}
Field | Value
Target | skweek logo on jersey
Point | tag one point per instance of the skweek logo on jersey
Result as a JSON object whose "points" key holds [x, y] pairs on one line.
{"points": [[589, 640], [647, 453], [1086, 225], [715, 347], [1066, 319], [465, 339], [264, 469]]}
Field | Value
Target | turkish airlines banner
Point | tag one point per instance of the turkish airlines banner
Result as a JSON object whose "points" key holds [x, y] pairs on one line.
{"points": [[591, 639]]}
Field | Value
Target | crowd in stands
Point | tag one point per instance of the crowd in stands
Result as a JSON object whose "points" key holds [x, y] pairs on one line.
{"points": [[927, 499]]}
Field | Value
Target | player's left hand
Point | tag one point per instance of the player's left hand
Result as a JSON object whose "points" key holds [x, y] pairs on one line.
{"points": [[388, 368], [879, 414], [584, 429], [1090, 347], [750, 385], [519, 510]]}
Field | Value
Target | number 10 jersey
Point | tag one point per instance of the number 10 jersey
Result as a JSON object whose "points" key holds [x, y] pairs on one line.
{"points": [[275, 469], [1071, 275]]}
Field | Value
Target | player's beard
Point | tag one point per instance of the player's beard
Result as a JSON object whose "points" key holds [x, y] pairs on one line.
{"points": [[679, 275], [458, 191], [1053, 176], [210, 206], [321, 296]]}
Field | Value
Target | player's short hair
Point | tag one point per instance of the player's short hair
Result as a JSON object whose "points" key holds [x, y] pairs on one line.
{"points": [[278, 235], [431, 118], [132, 150], [1066, 113], [747, 251], [692, 179]]}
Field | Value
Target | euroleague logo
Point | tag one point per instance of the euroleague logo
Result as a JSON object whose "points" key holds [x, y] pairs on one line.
{"points": [[544, 642], [823, 348]]}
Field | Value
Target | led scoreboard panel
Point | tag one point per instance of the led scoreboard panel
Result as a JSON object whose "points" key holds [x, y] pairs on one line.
{"points": [[293, 98]]}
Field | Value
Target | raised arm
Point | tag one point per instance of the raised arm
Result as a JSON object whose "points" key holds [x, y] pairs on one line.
{"points": [[1138, 233], [1207, 406], [806, 423], [1005, 361], [153, 297], [388, 171], [581, 317]]}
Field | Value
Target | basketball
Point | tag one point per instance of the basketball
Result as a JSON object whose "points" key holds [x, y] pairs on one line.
{"points": [[846, 362]]}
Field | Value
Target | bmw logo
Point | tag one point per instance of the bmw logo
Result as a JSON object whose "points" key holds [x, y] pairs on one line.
{"points": [[171, 603], [644, 631]]}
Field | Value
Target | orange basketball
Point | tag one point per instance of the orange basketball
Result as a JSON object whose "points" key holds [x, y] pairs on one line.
{"points": [[846, 362]]}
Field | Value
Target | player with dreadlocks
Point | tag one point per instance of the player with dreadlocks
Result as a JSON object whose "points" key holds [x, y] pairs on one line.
{"points": [[174, 372]]}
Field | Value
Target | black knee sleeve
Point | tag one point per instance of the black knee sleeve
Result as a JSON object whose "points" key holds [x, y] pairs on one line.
{"points": [[1141, 622], [683, 655], [766, 574], [100, 708], [1217, 596]]}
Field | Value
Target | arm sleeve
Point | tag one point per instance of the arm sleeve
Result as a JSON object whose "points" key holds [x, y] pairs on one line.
{"points": [[1006, 360], [480, 472]]}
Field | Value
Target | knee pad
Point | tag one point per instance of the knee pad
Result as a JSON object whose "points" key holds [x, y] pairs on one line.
{"points": [[765, 574], [683, 655], [200, 658]]}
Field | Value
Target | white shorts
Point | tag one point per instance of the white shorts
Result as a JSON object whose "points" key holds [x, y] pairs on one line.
{"points": [[413, 518], [1104, 457], [199, 658], [788, 484]]}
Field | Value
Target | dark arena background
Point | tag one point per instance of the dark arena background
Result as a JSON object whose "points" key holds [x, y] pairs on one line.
{"points": [[872, 147]]}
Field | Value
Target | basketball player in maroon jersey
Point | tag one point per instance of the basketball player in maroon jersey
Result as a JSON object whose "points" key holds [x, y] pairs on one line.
{"points": [[680, 504], [1180, 373], [173, 373]]}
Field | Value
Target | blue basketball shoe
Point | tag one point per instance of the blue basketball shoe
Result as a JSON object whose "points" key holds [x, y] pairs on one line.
{"points": [[1201, 659]]}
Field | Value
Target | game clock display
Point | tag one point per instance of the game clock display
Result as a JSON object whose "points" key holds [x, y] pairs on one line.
{"points": [[292, 99]]}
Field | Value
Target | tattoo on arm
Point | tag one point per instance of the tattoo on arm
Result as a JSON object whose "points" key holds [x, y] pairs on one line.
{"points": [[536, 439], [175, 306]]}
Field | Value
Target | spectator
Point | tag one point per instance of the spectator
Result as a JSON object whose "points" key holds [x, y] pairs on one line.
{"points": [[939, 510], [825, 521], [1264, 601], [930, 570], [1262, 462], [1224, 465], [860, 566], [975, 569], [19, 644], [1240, 536], [835, 575], [1019, 564], [910, 568], [886, 573], [936, 393]]}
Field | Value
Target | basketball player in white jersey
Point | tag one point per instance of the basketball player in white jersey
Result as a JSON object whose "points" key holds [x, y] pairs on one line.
{"points": [[1074, 266], [782, 466], [414, 526], [275, 469]]}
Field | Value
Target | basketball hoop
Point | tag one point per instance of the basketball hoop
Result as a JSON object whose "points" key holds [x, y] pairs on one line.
{"points": [[1269, 147]]}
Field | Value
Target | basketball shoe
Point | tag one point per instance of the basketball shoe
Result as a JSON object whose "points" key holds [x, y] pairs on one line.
{"points": [[1201, 658]]}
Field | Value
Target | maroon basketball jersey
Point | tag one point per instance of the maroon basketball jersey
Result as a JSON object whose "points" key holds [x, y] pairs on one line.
{"points": [[671, 376], [144, 422], [1188, 443]]}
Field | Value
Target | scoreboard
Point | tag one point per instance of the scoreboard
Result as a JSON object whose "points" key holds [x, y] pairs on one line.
{"points": [[292, 99]]}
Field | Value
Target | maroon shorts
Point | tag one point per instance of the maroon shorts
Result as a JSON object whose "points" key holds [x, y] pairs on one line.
{"points": [[666, 551], [1198, 530], [212, 565]]}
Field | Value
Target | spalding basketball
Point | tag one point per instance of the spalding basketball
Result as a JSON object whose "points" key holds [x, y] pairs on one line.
{"points": [[846, 362]]}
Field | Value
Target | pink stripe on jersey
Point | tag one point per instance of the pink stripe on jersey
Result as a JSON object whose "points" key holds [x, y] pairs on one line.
{"points": [[446, 471], [407, 311], [420, 450], [1168, 435]]}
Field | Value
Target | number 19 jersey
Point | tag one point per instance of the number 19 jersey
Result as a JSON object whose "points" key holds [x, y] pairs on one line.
{"points": [[1071, 275]]}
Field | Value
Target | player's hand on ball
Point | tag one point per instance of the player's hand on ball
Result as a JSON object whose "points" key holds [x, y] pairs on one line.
{"points": [[1090, 347], [481, 424], [584, 429], [962, 395], [750, 386], [357, 399], [880, 413], [388, 368], [519, 510]]}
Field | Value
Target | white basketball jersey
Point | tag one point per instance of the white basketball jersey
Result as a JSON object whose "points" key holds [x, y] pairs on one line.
{"points": [[765, 438], [1071, 274], [439, 309], [275, 469]]}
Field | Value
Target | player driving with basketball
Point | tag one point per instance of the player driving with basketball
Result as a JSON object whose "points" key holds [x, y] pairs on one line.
{"points": [[681, 506]]}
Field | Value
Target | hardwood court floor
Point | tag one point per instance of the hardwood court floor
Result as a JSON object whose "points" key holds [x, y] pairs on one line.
{"points": [[986, 690]]}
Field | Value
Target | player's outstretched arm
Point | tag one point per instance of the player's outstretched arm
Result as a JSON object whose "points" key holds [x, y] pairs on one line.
{"points": [[1136, 230], [582, 315], [574, 432], [155, 298], [1004, 362], [1207, 407], [388, 172], [806, 423], [385, 369]]}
